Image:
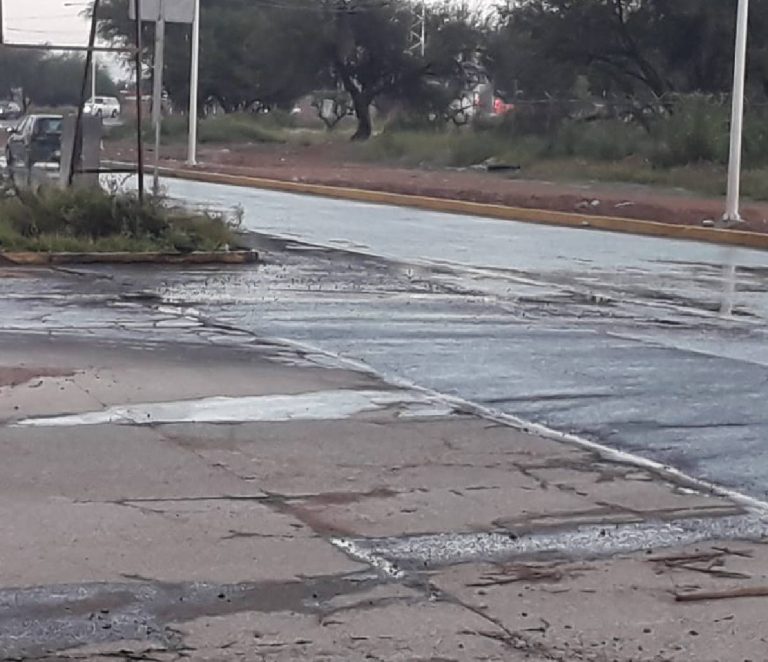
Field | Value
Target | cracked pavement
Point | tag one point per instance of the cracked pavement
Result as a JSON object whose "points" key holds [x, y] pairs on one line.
{"points": [[397, 532]]}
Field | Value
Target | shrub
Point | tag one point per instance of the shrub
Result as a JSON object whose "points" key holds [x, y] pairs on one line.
{"points": [[93, 219], [601, 140], [695, 131]]}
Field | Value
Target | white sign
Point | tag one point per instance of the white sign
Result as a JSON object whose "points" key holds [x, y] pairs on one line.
{"points": [[176, 11]]}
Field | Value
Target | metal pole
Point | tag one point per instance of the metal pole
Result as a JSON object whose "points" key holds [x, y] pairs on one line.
{"points": [[157, 92], [139, 142], [732, 214], [194, 83], [737, 114], [423, 27], [94, 71]]}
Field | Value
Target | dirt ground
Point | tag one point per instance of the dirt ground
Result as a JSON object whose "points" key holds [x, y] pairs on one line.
{"points": [[329, 165]]}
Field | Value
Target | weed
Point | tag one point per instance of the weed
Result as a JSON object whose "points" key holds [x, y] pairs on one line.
{"points": [[82, 219]]}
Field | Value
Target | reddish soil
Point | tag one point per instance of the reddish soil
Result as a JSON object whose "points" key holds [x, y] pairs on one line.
{"points": [[329, 165], [16, 375]]}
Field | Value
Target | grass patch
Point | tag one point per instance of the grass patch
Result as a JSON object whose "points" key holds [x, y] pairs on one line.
{"points": [[450, 148], [85, 220], [224, 129], [687, 148]]}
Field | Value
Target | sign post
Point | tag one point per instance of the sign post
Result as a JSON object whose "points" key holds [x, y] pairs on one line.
{"points": [[161, 12], [157, 91], [194, 78]]}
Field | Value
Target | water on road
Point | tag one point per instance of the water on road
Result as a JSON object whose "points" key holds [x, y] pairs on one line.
{"points": [[613, 337]]}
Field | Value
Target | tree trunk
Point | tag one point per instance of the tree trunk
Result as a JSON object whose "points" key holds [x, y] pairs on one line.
{"points": [[363, 113], [361, 101]]}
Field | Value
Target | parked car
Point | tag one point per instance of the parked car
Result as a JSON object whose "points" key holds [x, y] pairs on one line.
{"points": [[36, 140], [102, 107], [10, 110]]}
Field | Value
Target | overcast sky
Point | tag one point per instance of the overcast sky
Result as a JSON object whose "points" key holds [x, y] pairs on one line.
{"points": [[41, 21], [54, 21]]}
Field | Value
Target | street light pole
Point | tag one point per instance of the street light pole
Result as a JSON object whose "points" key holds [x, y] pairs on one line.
{"points": [[732, 214], [737, 115], [193, 87]]}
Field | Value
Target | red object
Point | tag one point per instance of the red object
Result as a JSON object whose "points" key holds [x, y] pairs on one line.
{"points": [[500, 107]]}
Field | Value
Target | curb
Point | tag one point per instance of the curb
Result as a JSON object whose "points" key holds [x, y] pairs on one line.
{"points": [[742, 238], [28, 258]]}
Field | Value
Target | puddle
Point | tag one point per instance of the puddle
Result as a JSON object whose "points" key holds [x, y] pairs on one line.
{"points": [[317, 406], [37, 621]]}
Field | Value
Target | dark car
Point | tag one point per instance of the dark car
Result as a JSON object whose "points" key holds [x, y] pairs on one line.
{"points": [[36, 140]]}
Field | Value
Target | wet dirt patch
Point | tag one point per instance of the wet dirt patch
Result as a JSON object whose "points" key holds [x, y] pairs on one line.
{"points": [[17, 375], [38, 621]]}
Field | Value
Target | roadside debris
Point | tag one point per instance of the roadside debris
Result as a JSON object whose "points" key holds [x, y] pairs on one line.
{"points": [[745, 592]]}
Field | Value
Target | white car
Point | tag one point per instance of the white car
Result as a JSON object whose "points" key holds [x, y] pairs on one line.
{"points": [[102, 107]]}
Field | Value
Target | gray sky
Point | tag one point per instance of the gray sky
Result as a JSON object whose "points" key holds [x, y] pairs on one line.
{"points": [[41, 21]]}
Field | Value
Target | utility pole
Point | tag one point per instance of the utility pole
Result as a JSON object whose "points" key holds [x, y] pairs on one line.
{"points": [[194, 78], [77, 141], [157, 91]]}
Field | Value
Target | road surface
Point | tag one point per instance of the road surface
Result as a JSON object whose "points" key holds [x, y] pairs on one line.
{"points": [[612, 337]]}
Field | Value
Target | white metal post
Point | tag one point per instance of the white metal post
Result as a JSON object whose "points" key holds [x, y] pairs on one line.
{"points": [[737, 114], [94, 72], [423, 35], [732, 214], [157, 91], [193, 87]]}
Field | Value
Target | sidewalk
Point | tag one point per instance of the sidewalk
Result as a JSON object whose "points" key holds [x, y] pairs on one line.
{"points": [[279, 510]]}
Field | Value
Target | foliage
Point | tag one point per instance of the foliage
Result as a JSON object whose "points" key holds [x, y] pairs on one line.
{"points": [[225, 129], [266, 55], [47, 80], [640, 48], [93, 219], [251, 54], [643, 53]]}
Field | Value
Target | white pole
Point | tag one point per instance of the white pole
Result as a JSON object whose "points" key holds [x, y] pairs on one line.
{"points": [[732, 199], [193, 87], [157, 91], [94, 71], [423, 27], [737, 114]]}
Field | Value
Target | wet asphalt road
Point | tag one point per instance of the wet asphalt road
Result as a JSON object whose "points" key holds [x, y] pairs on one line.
{"points": [[609, 336], [612, 337]]}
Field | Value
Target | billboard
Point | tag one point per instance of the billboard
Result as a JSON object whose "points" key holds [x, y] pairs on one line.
{"points": [[176, 11]]}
